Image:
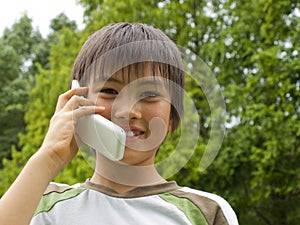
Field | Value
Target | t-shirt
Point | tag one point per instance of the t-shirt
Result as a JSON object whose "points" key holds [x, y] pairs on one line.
{"points": [[162, 204]]}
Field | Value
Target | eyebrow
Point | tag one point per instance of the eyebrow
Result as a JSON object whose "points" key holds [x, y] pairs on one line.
{"points": [[153, 80], [110, 79]]}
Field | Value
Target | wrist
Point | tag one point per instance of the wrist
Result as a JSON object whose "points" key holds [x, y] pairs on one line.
{"points": [[48, 162]]}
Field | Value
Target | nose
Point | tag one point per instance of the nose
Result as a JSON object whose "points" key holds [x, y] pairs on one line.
{"points": [[126, 109]]}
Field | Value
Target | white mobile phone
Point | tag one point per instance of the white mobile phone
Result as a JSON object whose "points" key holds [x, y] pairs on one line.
{"points": [[100, 134]]}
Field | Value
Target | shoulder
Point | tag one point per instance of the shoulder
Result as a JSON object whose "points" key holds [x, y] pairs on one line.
{"points": [[214, 209], [57, 192], [59, 187]]}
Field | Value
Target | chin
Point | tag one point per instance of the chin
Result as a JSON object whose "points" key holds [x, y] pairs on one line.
{"points": [[138, 158]]}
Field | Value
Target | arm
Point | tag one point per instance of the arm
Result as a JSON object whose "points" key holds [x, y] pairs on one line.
{"points": [[59, 147]]}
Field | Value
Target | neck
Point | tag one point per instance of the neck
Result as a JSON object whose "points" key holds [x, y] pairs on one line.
{"points": [[122, 177]]}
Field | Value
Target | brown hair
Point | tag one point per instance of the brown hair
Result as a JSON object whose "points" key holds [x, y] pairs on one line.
{"points": [[121, 45]]}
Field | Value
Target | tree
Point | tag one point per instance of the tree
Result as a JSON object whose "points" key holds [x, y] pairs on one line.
{"points": [[17, 46], [15, 95], [23, 49], [256, 59], [252, 48]]}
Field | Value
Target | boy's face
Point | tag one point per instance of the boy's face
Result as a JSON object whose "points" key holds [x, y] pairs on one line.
{"points": [[140, 104]]}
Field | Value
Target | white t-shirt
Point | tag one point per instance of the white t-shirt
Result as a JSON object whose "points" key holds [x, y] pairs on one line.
{"points": [[162, 204]]}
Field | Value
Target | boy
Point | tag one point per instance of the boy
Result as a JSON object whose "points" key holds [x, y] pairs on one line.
{"points": [[131, 74]]}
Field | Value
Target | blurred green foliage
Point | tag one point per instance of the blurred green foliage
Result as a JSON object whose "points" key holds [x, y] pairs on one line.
{"points": [[252, 47]]}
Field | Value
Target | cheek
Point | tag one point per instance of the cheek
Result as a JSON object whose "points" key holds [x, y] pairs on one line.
{"points": [[107, 111], [160, 110], [103, 102]]}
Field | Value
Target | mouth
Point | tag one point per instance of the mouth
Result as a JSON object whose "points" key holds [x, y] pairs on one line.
{"points": [[133, 133]]}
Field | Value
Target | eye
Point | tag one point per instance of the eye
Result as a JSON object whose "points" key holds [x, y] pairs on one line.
{"points": [[149, 94], [109, 91]]}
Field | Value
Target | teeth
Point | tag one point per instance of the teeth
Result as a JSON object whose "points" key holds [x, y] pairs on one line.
{"points": [[129, 133]]}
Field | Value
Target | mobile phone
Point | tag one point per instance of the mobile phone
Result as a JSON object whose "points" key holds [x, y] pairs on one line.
{"points": [[100, 134]]}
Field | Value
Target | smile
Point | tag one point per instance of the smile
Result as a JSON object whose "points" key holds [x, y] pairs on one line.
{"points": [[131, 133]]}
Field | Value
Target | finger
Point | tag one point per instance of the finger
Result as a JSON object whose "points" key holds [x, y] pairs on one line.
{"points": [[87, 110], [65, 97], [76, 102]]}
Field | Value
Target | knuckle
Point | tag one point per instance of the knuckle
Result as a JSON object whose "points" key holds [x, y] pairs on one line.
{"points": [[53, 118], [61, 96], [74, 99], [78, 98]]}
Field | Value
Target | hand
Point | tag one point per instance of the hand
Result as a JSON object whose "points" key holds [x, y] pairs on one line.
{"points": [[59, 148], [59, 142]]}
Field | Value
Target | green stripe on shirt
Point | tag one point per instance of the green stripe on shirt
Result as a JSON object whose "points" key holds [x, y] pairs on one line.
{"points": [[48, 201], [192, 212]]}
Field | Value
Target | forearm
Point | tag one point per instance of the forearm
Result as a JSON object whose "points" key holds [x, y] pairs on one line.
{"points": [[19, 203]]}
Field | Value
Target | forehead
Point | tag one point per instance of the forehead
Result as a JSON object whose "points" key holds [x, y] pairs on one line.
{"points": [[152, 70], [138, 71]]}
